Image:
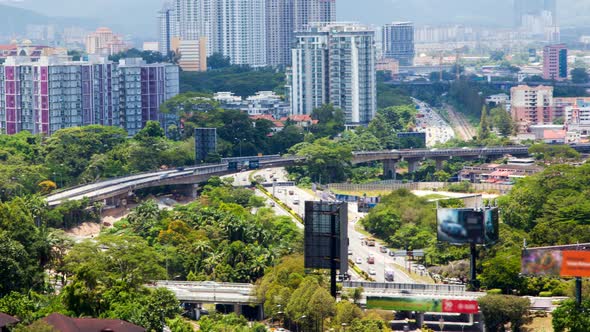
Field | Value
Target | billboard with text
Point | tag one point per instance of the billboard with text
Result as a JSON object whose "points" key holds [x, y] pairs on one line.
{"points": [[555, 262], [423, 304]]}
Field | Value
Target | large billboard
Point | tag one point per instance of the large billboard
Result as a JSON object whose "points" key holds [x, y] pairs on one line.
{"points": [[541, 262], [423, 304], [553, 261], [205, 143], [326, 235], [460, 226]]}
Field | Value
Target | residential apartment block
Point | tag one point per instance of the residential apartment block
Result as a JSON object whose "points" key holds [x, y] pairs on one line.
{"points": [[560, 104], [555, 62], [51, 94], [104, 42], [193, 54], [577, 118], [285, 17], [398, 42], [250, 32], [242, 31], [334, 63], [532, 105], [167, 28]]}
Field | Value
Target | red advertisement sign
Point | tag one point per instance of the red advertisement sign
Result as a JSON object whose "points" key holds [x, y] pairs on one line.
{"points": [[460, 306], [575, 264]]}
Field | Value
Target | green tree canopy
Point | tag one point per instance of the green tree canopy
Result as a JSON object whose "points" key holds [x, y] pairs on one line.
{"points": [[498, 310], [330, 121], [580, 75], [326, 160]]}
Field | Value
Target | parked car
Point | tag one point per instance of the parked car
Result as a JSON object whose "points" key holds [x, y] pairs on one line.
{"points": [[372, 271], [359, 260]]}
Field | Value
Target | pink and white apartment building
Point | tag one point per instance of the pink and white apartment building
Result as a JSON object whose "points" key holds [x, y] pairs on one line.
{"points": [[50, 94]]}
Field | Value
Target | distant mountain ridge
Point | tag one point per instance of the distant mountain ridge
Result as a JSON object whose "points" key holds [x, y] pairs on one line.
{"points": [[14, 20], [138, 17]]}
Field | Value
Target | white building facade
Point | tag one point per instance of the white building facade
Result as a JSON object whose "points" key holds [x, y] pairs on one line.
{"points": [[334, 63]]}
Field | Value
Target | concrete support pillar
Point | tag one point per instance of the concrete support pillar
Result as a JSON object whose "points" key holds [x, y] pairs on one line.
{"points": [[389, 171], [439, 164], [238, 309], [261, 312], [195, 189], [413, 165], [197, 312], [420, 319]]}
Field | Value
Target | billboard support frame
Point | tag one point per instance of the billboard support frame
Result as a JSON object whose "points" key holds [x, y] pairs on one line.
{"points": [[473, 260], [333, 250], [579, 292]]}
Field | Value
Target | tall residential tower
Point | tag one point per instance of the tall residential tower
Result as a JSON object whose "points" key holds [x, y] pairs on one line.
{"points": [[398, 42], [167, 28], [285, 17], [555, 62], [334, 63]]}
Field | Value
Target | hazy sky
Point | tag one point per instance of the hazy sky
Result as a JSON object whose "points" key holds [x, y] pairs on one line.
{"points": [[138, 16]]}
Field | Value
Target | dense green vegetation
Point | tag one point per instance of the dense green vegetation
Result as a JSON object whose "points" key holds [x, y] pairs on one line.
{"points": [[552, 207], [498, 310], [237, 134], [549, 208], [406, 221], [241, 80], [148, 56], [302, 301], [81, 155], [215, 238]]}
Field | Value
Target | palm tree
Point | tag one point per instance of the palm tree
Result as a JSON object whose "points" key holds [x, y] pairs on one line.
{"points": [[201, 248]]}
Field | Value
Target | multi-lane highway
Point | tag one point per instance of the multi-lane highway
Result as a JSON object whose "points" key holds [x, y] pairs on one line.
{"points": [[437, 130], [295, 198]]}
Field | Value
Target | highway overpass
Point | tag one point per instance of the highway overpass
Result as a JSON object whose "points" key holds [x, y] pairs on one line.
{"points": [[120, 188], [414, 156]]}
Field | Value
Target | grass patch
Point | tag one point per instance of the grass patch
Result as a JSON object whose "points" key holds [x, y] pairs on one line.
{"points": [[541, 324], [370, 193], [415, 276], [435, 196], [359, 228]]}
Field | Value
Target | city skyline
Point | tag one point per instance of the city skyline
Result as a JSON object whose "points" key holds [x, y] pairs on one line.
{"points": [[485, 12]]}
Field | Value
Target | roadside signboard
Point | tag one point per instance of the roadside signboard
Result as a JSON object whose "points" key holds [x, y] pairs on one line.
{"points": [[575, 264], [541, 262], [492, 225], [564, 261], [460, 226], [423, 304], [326, 235]]}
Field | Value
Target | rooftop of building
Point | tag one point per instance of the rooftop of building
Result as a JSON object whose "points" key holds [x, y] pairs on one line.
{"points": [[523, 87], [400, 23], [338, 27], [554, 134], [7, 320], [67, 324]]}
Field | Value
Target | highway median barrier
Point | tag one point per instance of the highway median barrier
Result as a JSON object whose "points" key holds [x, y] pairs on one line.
{"points": [[360, 272]]}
